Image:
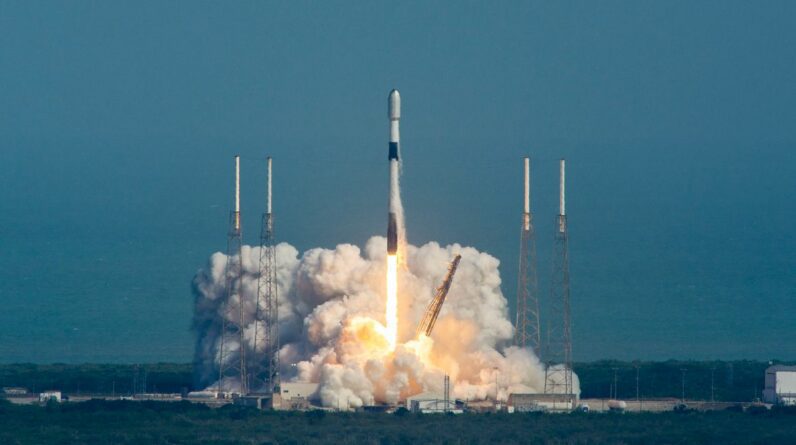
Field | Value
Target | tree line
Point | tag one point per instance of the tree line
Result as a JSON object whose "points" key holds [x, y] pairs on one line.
{"points": [[732, 381]]}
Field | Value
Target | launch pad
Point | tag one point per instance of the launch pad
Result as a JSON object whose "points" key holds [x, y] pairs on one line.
{"points": [[362, 354]]}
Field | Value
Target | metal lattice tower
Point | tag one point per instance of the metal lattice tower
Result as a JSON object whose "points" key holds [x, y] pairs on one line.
{"points": [[558, 374], [527, 332], [232, 336], [265, 364], [426, 325]]}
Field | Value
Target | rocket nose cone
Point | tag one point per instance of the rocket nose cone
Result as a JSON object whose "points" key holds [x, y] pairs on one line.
{"points": [[394, 105]]}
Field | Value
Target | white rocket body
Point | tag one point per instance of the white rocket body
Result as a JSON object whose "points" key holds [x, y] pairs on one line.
{"points": [[526, 216], [394, 114], [562, 204]]}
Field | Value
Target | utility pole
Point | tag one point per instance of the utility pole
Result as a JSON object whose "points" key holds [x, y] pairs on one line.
{"points": [[447, 393], [496, 386], [616, 385], [652, 385], [712, 394], [683, 370], [135, 381], [637, 366]]}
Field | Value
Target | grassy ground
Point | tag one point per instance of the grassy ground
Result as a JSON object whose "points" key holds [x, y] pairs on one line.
{"points": [[123, 422]]}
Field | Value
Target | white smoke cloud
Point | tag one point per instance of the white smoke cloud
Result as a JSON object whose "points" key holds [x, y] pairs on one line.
{"points": [[331, 314]]}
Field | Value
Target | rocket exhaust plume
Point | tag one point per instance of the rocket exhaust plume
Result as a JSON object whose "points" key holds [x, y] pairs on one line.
{"points": [[331, 308]]}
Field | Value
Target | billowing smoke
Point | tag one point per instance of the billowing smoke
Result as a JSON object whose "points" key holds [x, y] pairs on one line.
{"points": [[331, 310]]}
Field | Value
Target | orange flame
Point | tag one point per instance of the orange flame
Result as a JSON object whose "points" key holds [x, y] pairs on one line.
{"points": [[391, 314]]}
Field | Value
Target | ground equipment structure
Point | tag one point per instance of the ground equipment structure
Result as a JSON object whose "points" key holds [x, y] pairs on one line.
{"points": [[426, 325]]}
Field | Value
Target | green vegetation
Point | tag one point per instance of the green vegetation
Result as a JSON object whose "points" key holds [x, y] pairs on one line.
{"points": [[99, 379], [733, 381], [128, 422], [125, 422]]}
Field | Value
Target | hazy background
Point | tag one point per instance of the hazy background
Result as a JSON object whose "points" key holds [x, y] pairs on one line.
{"points": [[118, 123]]}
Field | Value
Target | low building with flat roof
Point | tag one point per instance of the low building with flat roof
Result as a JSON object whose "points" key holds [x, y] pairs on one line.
{"points": [[780, 385], [47, 396], [432, 402], [14, 391], [531, 402]]}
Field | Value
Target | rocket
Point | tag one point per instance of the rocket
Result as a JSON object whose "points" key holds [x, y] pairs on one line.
{"points": [[394, 114]]}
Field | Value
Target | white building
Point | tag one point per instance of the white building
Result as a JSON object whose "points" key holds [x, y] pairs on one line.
{"points": [[303, 390], [298, 395], [523, 403], [15, 391], [295, 396], [431, 402], [780, 385], [50, 395]]}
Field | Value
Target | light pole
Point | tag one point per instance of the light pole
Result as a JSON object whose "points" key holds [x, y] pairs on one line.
{"points": [[616, 387], [683, 370], [637, 365], [496, 386], [712, 394]]}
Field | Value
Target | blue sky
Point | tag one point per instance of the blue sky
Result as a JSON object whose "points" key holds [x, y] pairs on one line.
{"points": [[118, 122]]}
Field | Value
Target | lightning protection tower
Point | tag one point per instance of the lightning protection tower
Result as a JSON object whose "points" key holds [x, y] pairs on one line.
{"points": [[230, 367], [527, 332], [558, 374], [265, 365]]}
